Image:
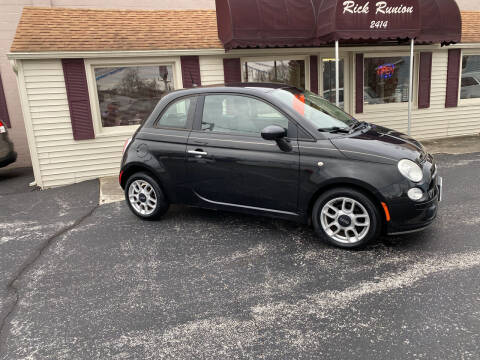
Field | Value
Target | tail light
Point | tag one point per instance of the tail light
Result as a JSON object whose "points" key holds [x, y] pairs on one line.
{"points": [[126, 145], [2, 128]]}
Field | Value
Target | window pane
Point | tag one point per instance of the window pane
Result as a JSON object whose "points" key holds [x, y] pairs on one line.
{"points": [[329, 87], [291, 72], [386, 80], [239, 115], [470, 77], [127, 95], [176, 114]]}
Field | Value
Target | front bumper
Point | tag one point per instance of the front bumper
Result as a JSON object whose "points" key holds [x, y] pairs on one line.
{"points": [[408, 216], [7, 160]]}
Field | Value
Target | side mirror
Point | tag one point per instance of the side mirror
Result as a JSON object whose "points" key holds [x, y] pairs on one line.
{"points": [[273, 132]]}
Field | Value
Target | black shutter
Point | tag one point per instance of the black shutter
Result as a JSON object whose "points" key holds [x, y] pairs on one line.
{"points": [[424, 80], [78, 100], [314, 74], [190, 71], [232, 71], [359, 83], [453, 77], [3, 106]]}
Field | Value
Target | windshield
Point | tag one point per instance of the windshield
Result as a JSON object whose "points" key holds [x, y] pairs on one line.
{"points": [[320, 112]]}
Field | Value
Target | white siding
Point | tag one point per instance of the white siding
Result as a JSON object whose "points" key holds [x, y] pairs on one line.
{"points": [[436, 121], [211, 70], [61, 159]]}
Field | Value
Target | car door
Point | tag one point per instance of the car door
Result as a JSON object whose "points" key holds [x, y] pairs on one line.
{"points": [[230, 164]]}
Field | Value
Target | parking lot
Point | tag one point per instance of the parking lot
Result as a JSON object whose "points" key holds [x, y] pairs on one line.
{"points": [[83, 281]]}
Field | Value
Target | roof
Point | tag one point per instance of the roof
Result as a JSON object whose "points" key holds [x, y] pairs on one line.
{"points": [[61, 29], [470, 26]]}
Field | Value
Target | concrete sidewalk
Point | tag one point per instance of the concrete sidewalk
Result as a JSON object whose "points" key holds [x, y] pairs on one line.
{"points": [[453, 145], [110, 191]]}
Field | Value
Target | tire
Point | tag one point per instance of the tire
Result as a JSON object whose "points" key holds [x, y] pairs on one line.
{"points": [[145, 197], [350, 227]]}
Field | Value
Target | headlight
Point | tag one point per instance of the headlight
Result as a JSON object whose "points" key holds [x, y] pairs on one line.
{"points": [[415, 194], [410, 170]]}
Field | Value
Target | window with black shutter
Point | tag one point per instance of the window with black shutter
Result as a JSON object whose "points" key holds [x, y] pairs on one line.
{"points": [[232, 71], [78, 99], [453, 77], [424, 80], [190, 71]]}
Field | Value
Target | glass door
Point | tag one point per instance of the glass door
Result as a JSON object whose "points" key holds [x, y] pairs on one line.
{"points": [[328, 81]]}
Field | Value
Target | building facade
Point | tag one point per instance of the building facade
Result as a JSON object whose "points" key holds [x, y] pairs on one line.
{"points": [[10, 13], [84, 87]]}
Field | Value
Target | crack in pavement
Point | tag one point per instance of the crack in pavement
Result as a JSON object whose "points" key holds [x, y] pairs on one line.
{"points": [[27, 265]]}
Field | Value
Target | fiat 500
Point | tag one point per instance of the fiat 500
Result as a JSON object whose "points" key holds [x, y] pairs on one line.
{"points": [[277, 151]]}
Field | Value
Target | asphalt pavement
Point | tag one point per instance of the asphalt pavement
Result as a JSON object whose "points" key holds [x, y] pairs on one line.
{"points": [[82, 281]]}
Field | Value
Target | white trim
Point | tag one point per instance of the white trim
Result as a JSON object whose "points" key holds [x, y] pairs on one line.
{"points": [[90, 65], [216, 51], [330, 48], [466, 102], [464, 46], [112, 54], [32, 146]]}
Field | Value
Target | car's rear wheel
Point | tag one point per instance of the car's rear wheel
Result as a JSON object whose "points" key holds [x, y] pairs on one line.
{"points": [[145, 197], [346, 218]]}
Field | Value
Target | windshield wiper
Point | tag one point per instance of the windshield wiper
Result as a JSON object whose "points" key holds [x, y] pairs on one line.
{"points": [[335, 129], [358, 125]]}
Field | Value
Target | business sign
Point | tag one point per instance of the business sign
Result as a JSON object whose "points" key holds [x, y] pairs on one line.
{"points": [[389, 15]]}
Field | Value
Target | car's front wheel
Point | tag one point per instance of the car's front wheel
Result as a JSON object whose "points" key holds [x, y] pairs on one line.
{"points": [[346, 218], [145, 197]]}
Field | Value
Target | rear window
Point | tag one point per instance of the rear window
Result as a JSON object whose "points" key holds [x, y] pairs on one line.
{"points": [[176, 115]]}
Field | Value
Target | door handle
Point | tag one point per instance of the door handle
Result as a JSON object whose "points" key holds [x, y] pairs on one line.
{"points": [[198, 152]]}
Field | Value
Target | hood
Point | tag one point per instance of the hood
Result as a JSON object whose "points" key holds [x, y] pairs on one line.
{"points": [[379, 144]]}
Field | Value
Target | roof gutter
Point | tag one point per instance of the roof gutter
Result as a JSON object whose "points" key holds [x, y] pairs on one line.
{"points": [[110, 54]]}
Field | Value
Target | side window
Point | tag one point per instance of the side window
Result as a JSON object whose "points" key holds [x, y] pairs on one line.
{"points": [[238, 114], [176, 115]]}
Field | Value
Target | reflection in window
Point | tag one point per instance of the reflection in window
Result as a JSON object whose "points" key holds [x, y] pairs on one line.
{"points": [[386, 79], [239, 115], [291, 72], [329, 88], [470, 77], [127, 95]]}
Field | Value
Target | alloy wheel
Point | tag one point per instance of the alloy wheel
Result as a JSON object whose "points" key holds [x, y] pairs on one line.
{"points": [[345, 220], [142, 197]]}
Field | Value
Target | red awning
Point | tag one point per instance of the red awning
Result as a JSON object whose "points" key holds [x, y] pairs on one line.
{"points": [[305, 23]]}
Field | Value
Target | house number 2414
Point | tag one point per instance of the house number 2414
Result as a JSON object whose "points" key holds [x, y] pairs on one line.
{"points": [[379, 24]]}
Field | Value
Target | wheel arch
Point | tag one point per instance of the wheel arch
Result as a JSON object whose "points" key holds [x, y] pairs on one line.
{"points": [[134, 168], [360, 186]]}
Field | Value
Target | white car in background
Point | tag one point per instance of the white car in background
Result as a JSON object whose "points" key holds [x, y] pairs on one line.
{"points": [[470, 85]]}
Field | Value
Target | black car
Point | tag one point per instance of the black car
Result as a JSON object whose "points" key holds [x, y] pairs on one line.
{"points": [[7, 155], [277, 151]]}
